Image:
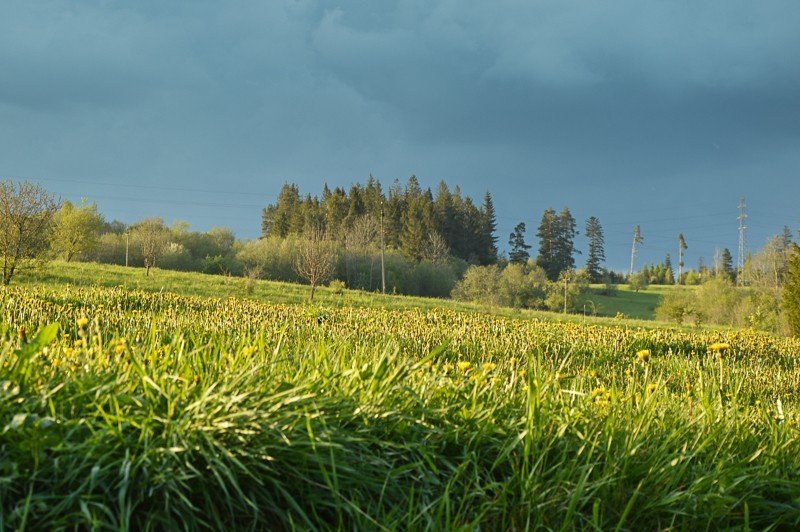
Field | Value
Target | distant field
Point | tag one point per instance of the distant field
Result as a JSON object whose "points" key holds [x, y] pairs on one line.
{"points": [[638, 305], [635, 306]]}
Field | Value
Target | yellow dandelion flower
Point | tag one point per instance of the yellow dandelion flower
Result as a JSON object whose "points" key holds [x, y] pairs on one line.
{"points": [[651, 387], [720, 346], [464, 365], [597, 392], [489, 366], [644, 355], [83, 322]]}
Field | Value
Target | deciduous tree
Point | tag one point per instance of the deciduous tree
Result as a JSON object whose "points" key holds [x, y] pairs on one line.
{"points": [[76, 229], [26, 222], [153, 238], [791, 291], [316, 259]]}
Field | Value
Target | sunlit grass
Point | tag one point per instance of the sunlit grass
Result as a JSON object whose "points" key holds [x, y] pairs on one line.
{"points": [[130, 409]]}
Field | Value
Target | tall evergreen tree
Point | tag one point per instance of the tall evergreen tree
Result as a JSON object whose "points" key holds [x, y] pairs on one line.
{"points": [[519, 249], [556, 242], [597, 254], [727, 264], [669, 274], [547, 234], [487, 234], [565, 242], [285, 215]]}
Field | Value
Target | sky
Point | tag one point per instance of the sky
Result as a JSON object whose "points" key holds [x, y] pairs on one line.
{"points": [[661, 113]]}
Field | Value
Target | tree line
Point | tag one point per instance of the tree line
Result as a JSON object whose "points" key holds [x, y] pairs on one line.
{"points": [[407, 240], [417, 222]]}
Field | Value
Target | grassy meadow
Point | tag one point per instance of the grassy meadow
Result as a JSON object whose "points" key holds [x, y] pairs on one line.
{"points": [[132, 407]]}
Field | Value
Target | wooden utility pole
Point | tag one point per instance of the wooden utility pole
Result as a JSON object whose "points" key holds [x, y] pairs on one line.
{"points": [[383, 270]]}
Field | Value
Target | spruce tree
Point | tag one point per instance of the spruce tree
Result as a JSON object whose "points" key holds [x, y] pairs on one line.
{"points": [[488, 228], [597, 255], [565, 242], [669, 275], [727, 265], [547, 234], [519, 249]]}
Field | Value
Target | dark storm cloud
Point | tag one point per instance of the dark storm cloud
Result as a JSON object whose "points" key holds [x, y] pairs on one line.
{"points": [[516, 94]]}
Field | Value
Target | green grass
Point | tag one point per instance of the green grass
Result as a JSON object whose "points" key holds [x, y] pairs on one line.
{"points": [[60, 273], [148, 410], [638, 305]]}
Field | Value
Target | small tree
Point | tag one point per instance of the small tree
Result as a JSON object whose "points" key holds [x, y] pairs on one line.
{"points": [[639, 281], [791, 291], [153, 237], [519, 249], [316, 259], [26, 221], [76, 230]]}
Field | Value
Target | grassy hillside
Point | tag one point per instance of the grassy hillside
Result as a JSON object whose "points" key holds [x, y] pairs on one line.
{"points": [[133, 410], [638, 307]]}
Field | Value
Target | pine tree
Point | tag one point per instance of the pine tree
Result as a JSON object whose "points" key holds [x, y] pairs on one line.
{"points": [[565, 242], [669, 276], [727, 264], [597, 255], [791, 291], [488, 239], [519, 249], [547, 234]]}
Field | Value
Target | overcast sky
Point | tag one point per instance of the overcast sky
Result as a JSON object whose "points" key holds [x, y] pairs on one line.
{"points": [[658, 113]]}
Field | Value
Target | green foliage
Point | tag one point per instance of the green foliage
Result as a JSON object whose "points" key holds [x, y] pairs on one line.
{"points": [[411, 216], [556, 242], [596, 255], [677, 306], [76, 230], [26, 223], [479, 285], [156, 411], [639, 281], [568, 293], [791, 291], [519, 249]]}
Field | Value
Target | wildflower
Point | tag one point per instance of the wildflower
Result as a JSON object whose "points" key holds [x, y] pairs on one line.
{"points": [[644, 355], [597, 392], [651, 387], [489, 366], [83, 322], [464, 365], [719, 346], [593, 374]]}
